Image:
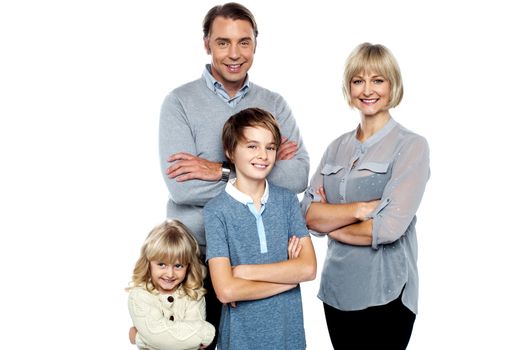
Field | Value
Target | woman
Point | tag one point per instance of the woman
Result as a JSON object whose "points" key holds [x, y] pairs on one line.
{"points": [[364, 196]]}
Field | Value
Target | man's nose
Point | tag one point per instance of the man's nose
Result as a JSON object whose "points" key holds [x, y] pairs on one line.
{"points": [[233, 52]]}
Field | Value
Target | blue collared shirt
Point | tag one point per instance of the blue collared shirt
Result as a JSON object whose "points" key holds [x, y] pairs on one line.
{"points": [[218, 88], [249, 202]]}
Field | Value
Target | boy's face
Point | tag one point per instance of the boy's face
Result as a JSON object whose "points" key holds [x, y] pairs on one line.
{"points": [[255, 155]]}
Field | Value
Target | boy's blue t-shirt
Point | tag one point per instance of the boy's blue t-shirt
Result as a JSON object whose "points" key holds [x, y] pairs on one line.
{"points": [[231, 231]]}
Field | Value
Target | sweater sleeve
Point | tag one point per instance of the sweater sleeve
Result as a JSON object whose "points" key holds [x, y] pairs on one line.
{"points": [[292, 174], [176, 135], [158, 332]]}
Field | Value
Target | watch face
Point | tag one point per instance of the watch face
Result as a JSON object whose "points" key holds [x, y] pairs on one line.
{"points": [[225, 173]]}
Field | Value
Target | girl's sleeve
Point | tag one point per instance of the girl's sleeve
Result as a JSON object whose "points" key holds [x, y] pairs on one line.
{"points": [[402, 193], [157, 332]]}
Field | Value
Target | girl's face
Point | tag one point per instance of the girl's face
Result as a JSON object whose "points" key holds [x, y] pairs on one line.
{"points": [[370, 93], [255, 156], [167, 277]]}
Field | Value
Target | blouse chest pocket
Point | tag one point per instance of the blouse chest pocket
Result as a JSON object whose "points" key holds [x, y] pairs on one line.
{"points": [[329, 169], [333, 175], [371, 178], [373, 167]]}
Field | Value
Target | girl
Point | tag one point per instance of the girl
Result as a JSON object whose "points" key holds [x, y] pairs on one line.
{"points": [[166, 300]]}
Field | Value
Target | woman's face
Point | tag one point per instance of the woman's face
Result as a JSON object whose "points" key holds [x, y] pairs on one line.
{"points": [[370, 93]]}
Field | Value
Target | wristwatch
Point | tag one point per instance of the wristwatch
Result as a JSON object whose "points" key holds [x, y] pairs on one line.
{"points": [[225, 171]]}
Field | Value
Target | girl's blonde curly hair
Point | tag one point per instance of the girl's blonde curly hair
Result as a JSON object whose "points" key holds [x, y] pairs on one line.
{"points": [[171, 242]]}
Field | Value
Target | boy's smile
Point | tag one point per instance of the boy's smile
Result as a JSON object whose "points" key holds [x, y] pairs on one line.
{"points": [[255, 156]]}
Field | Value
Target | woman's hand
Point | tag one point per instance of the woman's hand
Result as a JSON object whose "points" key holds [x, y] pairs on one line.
{"points": [[365, 209], [321, 192]]}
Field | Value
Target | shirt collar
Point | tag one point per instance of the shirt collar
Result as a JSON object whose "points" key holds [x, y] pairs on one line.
{"points": [[241, 197], [377, 135], [217, 88]]}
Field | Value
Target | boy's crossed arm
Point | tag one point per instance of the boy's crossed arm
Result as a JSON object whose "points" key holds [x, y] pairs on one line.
{"points": [[252, 282], [300, 267]]}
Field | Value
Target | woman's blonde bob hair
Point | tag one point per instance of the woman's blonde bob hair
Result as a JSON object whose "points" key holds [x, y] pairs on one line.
{"points": [[376, 59], [171, 242]]}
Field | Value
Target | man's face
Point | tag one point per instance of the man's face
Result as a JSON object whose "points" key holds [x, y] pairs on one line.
{"points": [[232, 44]]}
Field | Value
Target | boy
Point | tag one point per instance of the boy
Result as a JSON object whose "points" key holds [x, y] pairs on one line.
{"points": [[258, 248]]}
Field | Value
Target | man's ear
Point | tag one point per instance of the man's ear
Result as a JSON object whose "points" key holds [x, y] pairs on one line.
{"points": [[206, 43]]}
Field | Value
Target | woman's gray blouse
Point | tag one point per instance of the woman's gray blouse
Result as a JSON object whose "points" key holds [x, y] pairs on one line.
{"points": [[393, 166]]}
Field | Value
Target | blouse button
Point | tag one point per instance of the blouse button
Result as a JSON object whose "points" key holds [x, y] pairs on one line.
{"points": [[172, 318], [170, 299]]}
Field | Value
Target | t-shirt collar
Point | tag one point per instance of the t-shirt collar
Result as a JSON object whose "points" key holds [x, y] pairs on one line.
{"points": [[243, 197]]}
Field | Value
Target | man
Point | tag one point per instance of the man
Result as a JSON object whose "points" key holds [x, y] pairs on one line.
{"points": [[192, 117]]}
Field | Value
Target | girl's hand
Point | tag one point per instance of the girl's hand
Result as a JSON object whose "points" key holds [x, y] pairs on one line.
{"points": [[294, 247], [132, 335]]}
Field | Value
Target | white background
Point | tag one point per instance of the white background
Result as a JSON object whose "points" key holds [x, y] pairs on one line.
{"points": [[81, 84]]}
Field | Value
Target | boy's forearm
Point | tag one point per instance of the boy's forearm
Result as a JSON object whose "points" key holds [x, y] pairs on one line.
{"points": [[230, 289], [300, 269], [242, 290]]}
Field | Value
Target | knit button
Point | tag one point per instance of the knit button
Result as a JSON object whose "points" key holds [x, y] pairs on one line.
{"points": [[170, 299], [172, 318]]}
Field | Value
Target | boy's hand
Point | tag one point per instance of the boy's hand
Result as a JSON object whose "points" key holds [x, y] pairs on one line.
{"points": [[294, 247]]}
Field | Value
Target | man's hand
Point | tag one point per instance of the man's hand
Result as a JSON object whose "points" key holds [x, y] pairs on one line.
{"points": [[132, 334], [287, 150], [188, 167]]}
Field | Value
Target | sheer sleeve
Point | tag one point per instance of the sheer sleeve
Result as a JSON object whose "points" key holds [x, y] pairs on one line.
{"points": [[310, 194], [402, 193]]}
